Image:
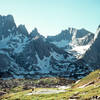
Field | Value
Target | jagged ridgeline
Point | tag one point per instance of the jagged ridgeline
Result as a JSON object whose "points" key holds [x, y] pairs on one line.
{"points": [[31, 55]]}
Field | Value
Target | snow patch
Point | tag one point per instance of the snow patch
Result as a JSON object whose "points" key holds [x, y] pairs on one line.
{"points": [[43, 64]]}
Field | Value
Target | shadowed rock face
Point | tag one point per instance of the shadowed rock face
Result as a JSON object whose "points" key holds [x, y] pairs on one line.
{"points": [[81, 33], [7, 25], [22, 29], [4, 62], [88, 39], [74, 41], [64, 35], [92, 56], [35, 34], [42, 48], [80, 37], [24, 55]]}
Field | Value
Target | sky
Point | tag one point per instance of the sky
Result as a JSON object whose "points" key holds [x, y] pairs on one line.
{"points": [[52, 16]]}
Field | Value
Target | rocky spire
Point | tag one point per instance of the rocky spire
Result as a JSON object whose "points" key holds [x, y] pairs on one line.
{"points": [[7, 25], [34, 33], [22, 29]]}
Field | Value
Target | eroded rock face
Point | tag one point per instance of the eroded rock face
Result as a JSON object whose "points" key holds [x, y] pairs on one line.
{"points": [[24, 55], [4, 62], [36, 35], [92, 56], [7, 25], [22, 29], [73, 35], [64, 35], [75, 41]]}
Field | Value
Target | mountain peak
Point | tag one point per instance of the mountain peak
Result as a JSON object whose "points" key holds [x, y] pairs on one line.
{"points": [[7, 25], [8, 18], [34, 33], [22, 29], [35, 30]]}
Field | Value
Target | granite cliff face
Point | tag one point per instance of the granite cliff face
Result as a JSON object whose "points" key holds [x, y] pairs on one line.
{"points": [[6, 25], [31, 55], [92, 56], [75, 41], [24, 55], [72, 35]]}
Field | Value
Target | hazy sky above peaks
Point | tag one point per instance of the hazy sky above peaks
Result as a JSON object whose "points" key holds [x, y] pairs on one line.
{"points": [[52, 16]]}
